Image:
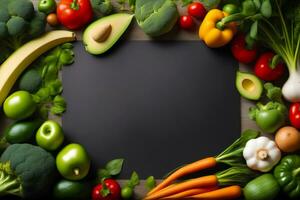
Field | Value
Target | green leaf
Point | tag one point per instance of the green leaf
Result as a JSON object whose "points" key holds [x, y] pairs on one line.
{"points": [[257, 3], [273, 93], [103, 174], [253, 30], [249, 8], [55, 87], [59, 105], [114, 167], [266, 8], [150, 182], [44, 111], [210, 4], [43, 94], [186, 2], [134, 180], [66, 57]]}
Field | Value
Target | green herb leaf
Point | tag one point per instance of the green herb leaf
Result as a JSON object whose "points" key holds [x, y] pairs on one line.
{"points": [[114, 167], [134, 180], [150, 182], [266, 8], [253, 30], [103, 174], [210, 4], [273, 93], [186, 2], [59, 105], [66, 57]]}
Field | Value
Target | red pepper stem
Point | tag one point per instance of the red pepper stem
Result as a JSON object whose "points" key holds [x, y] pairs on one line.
{"points": [[275, 61], [75, 5]]}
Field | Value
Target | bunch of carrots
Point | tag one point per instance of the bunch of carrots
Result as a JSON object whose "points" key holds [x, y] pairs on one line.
{"points": [[223, 185]]}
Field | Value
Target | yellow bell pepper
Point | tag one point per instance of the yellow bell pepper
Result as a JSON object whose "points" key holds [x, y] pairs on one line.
{"points": [[212, 35]]}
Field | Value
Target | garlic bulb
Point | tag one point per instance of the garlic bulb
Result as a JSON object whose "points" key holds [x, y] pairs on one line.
{"points": [[261, 154]]}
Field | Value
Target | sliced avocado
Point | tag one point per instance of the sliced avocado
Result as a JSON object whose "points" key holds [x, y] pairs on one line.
{"points": [[248, 85], [102, 34]]}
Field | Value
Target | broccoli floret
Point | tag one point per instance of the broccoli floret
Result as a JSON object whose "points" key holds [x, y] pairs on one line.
{"points": [[37, 24], [26, 171], [21, 8], [16, 26], [103, 7], [3, 30], [4, 16], [273, 93]]}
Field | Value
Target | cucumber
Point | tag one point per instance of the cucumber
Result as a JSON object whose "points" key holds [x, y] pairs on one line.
{"points": [[22, 131], [74, 190], [264, 187], [30, 81]]}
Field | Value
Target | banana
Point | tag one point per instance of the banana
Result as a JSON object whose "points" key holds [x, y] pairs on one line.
{"points": [[17, 62]]}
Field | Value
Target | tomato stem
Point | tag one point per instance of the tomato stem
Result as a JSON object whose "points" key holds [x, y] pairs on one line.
{"points": [[74, 5]]}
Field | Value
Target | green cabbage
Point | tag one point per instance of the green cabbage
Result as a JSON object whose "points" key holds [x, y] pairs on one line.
{"points": [[156, 17]]}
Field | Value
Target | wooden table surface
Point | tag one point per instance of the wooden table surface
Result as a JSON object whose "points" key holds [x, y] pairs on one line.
{"points": [[136, 34]]}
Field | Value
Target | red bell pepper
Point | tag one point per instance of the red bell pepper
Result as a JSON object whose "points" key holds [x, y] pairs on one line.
{"points": [[294, 115], [241, 52], [74, 14], [265, 71]]}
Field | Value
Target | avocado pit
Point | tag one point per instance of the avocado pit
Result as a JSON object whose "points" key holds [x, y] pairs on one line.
{"points": [[101, 33], [248, 85]]}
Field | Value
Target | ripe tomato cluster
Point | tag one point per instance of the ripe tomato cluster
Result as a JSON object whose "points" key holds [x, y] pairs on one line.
{"points": [[195, 10]]}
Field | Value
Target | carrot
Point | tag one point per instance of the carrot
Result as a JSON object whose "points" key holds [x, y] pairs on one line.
{"points": [[188, 169], [230, 192], [190, 192], [205, 181]]}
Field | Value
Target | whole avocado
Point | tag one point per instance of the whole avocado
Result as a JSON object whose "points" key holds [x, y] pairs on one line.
{"points": [[72, 190], [22, 131]]}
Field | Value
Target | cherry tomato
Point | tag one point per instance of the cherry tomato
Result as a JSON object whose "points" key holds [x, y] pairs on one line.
{"points": [[263, 69], [114, 192], [197, 10], [186, 22], [241, 52], [295, 115]]}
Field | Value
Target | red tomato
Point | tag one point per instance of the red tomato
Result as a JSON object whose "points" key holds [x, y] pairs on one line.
{"points": [[197, 10], [240, 51], [186, 22], [295, 115], [113, 187], [74, 14], [263, 69]]}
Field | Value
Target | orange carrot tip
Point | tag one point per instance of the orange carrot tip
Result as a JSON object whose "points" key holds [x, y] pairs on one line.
{"points": [[227, 193], [190, 192]]}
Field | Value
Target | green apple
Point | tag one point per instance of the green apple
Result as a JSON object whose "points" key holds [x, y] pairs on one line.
{"points": [[73, 162], [19, 105], [50, 135]]}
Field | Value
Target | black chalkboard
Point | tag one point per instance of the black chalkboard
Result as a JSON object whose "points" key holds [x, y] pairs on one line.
{"points": [[157, 104]]}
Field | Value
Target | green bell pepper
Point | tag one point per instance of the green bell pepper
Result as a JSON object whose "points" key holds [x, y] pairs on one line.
{"points": [[269, 117], [287, 174]]}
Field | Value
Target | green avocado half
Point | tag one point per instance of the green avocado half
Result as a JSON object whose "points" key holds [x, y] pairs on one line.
{"points": [[102, 34], [248, 85]]}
